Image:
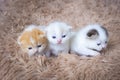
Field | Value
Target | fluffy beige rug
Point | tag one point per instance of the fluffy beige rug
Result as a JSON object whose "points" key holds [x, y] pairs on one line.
{"points": [[16, 14]]}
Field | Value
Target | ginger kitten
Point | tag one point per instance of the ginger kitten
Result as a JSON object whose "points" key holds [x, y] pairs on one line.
{"points": [[33, 41], [58, 34], [90, 40]]}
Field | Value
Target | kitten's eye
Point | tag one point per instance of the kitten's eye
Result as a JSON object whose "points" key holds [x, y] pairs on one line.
{"points": [[39, 46], [63, 36], [106, 42], [53, 37], [99, 44], [30, 48]]}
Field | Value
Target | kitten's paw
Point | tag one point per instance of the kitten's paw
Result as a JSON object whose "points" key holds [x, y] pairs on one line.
{"points": [[48, 54], [94, 54], [31, 54], [97, 54], [39, 56]]}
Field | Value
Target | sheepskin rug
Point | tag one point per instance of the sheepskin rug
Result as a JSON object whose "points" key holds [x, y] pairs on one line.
{"points": [[16, 14]]}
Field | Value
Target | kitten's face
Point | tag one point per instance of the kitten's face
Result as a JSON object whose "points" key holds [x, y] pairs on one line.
{"points": [[58, 33], [33, 41], [95, 42]]}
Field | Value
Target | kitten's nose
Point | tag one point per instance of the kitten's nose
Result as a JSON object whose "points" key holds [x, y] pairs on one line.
{"points": [[103, 46], [59, 41], [36, 51]]}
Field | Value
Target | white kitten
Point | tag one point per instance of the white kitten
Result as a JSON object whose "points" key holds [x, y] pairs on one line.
{"points": [[58, 34], [90, 40]]}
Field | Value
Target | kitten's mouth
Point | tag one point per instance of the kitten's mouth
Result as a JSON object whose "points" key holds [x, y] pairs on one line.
{"points": [[94, 50], [59, 43]]}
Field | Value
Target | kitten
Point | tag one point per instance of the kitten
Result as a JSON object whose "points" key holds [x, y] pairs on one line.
{"points": [[90, 40], [58, 34], [33, 41]]}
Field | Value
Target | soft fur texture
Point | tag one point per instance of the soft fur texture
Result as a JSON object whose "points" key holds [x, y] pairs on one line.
{"points": [[33, 41], [90, 40], [16, 14], [58, 35]]}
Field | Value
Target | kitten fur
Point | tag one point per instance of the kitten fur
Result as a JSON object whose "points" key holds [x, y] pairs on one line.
{"points": [[58, 34], [33, 41], [89, 41]]}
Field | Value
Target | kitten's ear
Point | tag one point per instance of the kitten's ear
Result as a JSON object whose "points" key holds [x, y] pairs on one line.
{"points": [[106, 32], [46, 30], [18, 40], [92, 33], [42, 35], [42, 27], [70, 28]]}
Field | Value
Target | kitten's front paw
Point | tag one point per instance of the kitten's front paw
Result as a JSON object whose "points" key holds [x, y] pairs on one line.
{"points": [[93, 54], [31, 54]]}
